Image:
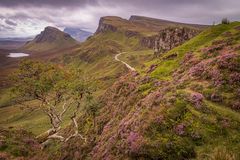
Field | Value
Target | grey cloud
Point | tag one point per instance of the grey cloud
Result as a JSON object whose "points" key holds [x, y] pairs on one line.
{"points": [[51, 3], [5, 28], [11, 23]]}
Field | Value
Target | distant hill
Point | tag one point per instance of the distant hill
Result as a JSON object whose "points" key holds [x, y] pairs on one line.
{"points": [[20, 39], [50, 39], [78, 34], [13, 42]]}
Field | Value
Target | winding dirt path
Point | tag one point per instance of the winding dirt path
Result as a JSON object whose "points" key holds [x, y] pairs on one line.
{"points": [[127, 65]]}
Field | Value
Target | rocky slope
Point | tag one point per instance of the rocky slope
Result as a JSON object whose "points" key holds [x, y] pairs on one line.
{"points": [[168, 38], [50, 39]]}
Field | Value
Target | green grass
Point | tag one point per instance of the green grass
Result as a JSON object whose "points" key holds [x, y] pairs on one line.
{"points": [[5, 98], [166, 67], [224, 111], [137, 59], [95, 58], [33, 120]]}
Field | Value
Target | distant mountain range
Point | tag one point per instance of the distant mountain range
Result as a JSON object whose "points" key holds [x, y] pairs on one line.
{"points": [[78, 34], [13, 42], [19, 39]]}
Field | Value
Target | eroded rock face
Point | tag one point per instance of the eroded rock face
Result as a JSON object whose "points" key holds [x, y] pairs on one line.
{"points": [[168, 39], [104, 27], [51, 34]]}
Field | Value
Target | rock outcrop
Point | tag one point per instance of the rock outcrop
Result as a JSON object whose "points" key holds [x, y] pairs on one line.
{"points": [[168, 39], [157, 34]]}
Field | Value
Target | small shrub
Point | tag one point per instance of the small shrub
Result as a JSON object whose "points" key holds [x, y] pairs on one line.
{"points": [[225, 21]]}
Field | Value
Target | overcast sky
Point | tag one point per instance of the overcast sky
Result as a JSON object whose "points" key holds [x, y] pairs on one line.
{"points": [[22, 18]]}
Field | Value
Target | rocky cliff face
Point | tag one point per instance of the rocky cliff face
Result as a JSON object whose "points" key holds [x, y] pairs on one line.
{"points": [[104, 26], [160, 35], [168, 39]]}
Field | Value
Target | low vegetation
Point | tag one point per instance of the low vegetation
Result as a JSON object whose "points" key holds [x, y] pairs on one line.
{"points": [[182, 107]]}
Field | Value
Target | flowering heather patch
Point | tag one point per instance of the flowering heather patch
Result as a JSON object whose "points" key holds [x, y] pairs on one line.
{"points": [[134, 142], [159, 119], [189, 59], [196, 99], [215, 48], [235, 78], [153, 99], [228, 61], [216, 77], [180, 129], [200, 69]]}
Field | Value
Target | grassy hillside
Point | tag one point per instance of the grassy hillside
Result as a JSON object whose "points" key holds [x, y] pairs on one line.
{"points": [[94, 57], [185, 108], [182, 105], [194, 45]]}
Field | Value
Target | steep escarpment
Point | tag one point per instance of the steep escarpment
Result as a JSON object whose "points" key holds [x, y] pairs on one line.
{"points": [[159, 24], [142, 25], [160, 35], [105, 24], [168, 38]]}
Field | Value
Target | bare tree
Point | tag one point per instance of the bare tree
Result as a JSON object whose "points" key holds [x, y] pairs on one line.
{"points": [[57, 90]]}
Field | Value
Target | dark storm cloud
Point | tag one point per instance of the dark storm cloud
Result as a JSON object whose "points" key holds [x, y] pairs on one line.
{"points": [[31, 14], [11, 23], [190, 11], [53, 3]]}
